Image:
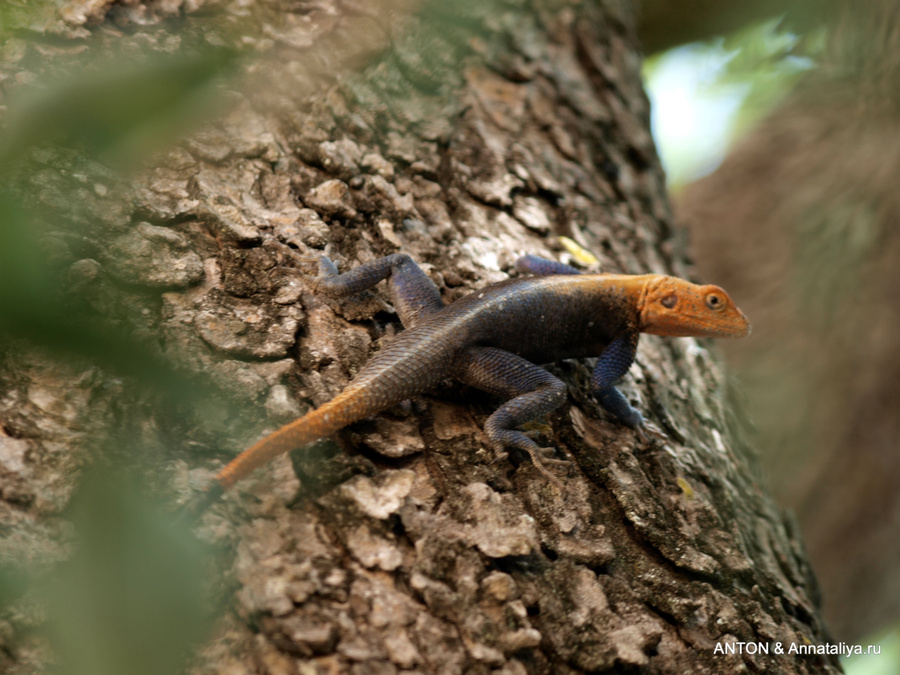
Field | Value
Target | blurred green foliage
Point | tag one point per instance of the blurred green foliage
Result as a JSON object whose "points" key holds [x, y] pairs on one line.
{"points": [[725, 86], [114, 112], [769, 59], [131, 598], [885, 663], [118, 114], [33, 308]]}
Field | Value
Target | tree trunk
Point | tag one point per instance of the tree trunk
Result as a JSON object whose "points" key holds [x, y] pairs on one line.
{"points": [[664, 24], [482, 133], [817, 264]]}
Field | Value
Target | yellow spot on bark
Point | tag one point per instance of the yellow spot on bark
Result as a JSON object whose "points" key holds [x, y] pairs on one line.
{"points": [[581, 255], [685, 488]]}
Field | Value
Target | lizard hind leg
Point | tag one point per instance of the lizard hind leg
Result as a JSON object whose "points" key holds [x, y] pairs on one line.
{"points": [[413, 294], [531, 390]]}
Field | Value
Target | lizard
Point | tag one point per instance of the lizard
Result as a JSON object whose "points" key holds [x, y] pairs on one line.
{"points": [[493, 339]]}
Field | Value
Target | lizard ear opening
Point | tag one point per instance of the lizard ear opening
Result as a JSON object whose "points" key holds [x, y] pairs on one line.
{"points": [[669, 301]]}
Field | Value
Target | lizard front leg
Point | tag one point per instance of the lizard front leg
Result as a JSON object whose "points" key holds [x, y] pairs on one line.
{"points": [[531, 390], [613, 363], [412, 292], [538, 266]]}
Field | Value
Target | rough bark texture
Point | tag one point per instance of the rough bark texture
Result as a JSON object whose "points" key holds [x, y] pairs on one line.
{"points": [[801, 221], [439, 558]]}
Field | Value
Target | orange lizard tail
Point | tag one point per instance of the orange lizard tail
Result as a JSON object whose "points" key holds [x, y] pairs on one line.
{"points": [[346, 408]]}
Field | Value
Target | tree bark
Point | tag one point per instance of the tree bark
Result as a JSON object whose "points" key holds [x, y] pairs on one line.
{"points": [[481, 133]]}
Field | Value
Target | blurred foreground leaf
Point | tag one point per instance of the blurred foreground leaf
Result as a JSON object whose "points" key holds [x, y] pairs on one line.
{"points": [[122, 112], [132, 599], [32, 309], [12, 583]]}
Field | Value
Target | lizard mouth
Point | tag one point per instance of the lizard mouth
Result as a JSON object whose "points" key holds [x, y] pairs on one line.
{"points": [[700, 326], [735, 327]]}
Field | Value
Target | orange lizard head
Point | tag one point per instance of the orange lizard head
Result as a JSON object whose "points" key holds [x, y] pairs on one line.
{"points": [[677, 308]]}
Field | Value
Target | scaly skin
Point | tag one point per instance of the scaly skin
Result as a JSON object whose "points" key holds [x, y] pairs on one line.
{"points": [[492, 338]]}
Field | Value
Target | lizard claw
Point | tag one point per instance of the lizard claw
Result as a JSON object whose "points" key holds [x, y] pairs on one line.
{"points": [[540, 460], [548, 456], [547, 452], [649, 432], [639, 430]]}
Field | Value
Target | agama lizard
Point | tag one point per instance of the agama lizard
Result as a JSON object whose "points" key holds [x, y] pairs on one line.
{"points": [[492, 339]]}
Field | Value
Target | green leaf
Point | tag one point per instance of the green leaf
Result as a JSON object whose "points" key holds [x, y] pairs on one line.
{"points": [[133, 598], [121, 112]]}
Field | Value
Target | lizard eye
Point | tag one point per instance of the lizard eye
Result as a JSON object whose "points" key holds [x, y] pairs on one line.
{"points": [[714, 301], [669, 301]]}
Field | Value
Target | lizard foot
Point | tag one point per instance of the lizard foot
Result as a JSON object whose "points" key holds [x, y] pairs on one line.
{"points": [[640, 434], [540, 460]]}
